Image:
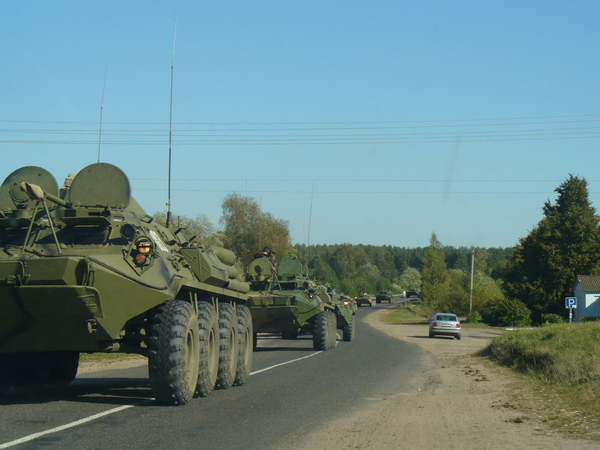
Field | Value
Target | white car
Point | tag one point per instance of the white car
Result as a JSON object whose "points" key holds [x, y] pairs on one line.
{"points": [[444, 324]]}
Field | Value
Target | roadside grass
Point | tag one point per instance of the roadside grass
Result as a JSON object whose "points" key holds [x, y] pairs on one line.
{"points": [[418, 313], [415, 313], [106, 357], [562, 363]]}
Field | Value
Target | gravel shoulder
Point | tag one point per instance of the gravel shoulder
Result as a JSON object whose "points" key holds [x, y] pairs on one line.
{"points": [[460, 402]]}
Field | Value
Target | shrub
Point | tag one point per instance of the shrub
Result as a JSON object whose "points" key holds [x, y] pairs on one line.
{"points": [[507, 312], [549, 318], [590, 319], [474, 317]]}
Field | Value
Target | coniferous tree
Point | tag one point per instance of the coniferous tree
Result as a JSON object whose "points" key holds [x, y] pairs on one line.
{"points": [[565, 243], [435, 273]]}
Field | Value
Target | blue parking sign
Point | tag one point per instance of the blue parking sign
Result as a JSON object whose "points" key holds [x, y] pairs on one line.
{"points": [[570, 302]]}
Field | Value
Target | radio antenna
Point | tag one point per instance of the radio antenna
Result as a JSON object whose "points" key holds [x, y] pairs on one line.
{"points": [[171, 124], [101, 108], [312, 193]]}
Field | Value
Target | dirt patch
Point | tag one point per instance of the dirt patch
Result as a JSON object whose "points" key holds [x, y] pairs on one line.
{"points": [[125, 362], [460, 402]]}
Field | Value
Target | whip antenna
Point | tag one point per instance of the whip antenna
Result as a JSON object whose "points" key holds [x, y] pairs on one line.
{"points": [[101, 108], [171, 124]]}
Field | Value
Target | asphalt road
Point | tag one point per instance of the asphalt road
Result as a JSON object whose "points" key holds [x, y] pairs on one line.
{"points": [[293, 390]]}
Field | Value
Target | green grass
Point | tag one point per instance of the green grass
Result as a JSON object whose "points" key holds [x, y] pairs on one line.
{"points": [[106, 357], [412, 313], [563, 361], [418, 313]]}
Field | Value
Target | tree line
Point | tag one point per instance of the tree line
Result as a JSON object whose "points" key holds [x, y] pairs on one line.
{"points": [[506, 286]]}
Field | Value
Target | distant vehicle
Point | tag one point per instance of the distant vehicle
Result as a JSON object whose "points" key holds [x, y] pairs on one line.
{"points": [[384, 295], [365, 299], [411, 293], [444, 324]]}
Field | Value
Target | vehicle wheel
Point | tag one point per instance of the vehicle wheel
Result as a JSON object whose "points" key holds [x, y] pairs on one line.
{"points": [[63, 367], [228, 346], [431, 335], [208, 368], [5, 378], [245, 345], [174, 352], [43, 368], [458, 337], [289, 335], [348, 330], [378, 301], [322, 330]]}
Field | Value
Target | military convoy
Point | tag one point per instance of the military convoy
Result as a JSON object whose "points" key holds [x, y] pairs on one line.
{"points": [[284, 300], [84, 269]]}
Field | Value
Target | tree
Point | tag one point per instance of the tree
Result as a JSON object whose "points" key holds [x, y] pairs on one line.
{"points": [[410, 279], [565, 243], [201, 227], [435, 273], [247, 229]]}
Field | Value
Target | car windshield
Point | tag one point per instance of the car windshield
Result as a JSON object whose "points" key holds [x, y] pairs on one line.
{"points": [[447, 317]]}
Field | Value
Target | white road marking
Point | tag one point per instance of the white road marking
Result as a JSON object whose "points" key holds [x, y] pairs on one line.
{"points": [[33, 436], [284, 363]]}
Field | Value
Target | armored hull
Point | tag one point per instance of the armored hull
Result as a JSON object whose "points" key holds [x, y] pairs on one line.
{"points": [[85, 269]]}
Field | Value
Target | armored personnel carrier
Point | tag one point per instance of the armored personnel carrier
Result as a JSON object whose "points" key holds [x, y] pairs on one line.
{"points": [[364, 298], [283, 300], [85, 269], [384, 295]]}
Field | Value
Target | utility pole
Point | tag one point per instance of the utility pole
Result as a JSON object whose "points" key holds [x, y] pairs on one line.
{"points": [[472, 270]]}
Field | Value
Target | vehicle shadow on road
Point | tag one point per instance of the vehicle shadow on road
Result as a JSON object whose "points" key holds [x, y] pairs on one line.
{"points": [[112, 391]]}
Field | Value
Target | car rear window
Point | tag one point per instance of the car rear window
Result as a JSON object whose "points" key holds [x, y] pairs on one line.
{"points": [[447, 318]]}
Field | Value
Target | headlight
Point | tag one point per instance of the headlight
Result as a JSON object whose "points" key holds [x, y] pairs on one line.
{"points": [[144, 248]]}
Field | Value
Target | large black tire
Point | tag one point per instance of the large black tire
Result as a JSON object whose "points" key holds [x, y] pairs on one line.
{"points": [[228, 346], [174, 352], [348, 330], [5, 377], [42, 368], [324, 331], [208, 325], [245, 345]]}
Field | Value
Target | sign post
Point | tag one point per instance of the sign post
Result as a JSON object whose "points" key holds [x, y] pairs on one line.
{"points": [[570, 304]]}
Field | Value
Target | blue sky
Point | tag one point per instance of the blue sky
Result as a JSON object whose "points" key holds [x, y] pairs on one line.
{"points": [[374, 122]]}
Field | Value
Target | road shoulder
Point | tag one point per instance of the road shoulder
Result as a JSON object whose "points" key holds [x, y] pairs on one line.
{"points": [[460, 401]]}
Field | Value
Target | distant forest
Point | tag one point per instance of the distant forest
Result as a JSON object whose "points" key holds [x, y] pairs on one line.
{"points": [[351, 268]]}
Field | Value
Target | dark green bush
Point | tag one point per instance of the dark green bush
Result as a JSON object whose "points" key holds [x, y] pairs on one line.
{"points": [[506, 313], [549, 318], [590, 319]]}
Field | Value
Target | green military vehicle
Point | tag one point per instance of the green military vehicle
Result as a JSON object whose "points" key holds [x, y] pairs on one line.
{"points": [[364, 298], [85, 269], [384, 295], [285, 301]]}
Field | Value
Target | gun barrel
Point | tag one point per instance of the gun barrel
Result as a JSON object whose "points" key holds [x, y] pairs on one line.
{"points": [[37, 193]]}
